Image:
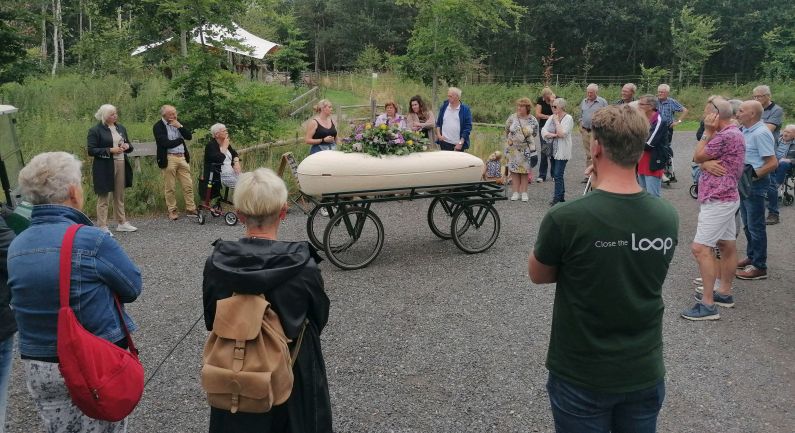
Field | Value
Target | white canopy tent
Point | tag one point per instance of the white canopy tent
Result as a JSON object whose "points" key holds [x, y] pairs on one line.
{"points": [[250, 45]]}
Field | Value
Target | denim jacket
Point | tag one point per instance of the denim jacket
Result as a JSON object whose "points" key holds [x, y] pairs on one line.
{"points": [[100, 267]]}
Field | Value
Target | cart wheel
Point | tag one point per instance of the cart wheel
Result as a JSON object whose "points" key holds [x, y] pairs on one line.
{"points": [[788, 199], [440, 215], [475, 227], [230, 218], [694, 190], [201, 217], [316, 224], [353, 238]]}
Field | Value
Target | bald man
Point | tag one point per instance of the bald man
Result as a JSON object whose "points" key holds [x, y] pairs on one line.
{"points": [[761, 155]]}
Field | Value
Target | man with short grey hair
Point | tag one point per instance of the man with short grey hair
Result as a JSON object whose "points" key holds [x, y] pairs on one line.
{"points": [[627, 94], [589, 105], [773, 117], [174, 160], [454, 123]]}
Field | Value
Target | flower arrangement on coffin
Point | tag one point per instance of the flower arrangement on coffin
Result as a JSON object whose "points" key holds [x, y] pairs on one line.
{"points": [[384, 140]]}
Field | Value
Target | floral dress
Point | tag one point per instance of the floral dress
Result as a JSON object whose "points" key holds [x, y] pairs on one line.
{"points": [[521, 134]]}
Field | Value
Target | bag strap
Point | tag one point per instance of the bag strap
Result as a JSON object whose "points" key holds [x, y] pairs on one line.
{"points": [[65, 281], [297, 348]]}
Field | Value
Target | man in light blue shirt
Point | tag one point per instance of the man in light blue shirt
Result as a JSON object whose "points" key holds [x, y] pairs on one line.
{"points": [[761, 155], [589, 105]]}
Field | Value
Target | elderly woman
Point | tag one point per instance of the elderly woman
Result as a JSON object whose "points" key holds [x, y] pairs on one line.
{"points": [[390, 116], [652, 160], [521, 130], [420, 118], [321, 133], [221, 158], [558, 131], [544, 112], [100, 269], [288, 275], [109, 145]]}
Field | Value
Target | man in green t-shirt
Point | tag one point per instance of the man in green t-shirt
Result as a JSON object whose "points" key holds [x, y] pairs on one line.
{"points": [[608, 253]]}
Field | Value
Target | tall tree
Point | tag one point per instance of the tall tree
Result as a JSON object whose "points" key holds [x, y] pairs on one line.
{"points": [[693, 43]]}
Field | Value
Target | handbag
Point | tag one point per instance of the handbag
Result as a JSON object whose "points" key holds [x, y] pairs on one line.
{"points": [[105, 381]]}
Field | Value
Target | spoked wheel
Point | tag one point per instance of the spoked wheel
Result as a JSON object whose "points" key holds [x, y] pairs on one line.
{"points": [[353, 238], [788, 199], [694, 190], [230, 218], [202, 216], [440, 216], [475, 227], [316, 224]]}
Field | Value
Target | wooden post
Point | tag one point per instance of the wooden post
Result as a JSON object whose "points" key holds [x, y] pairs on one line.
{"points": [[289, 159]]}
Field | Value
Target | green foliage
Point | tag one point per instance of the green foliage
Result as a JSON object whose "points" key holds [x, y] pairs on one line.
{"points": [[651, 77], [384, 140], [693, 42], [370, 59], [779, 63], [291, 57], [13, 56], [105, 51]]}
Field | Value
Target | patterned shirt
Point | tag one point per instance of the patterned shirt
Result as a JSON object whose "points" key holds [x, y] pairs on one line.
{"points": [[728, 148], [667, 109], [588, 108]]}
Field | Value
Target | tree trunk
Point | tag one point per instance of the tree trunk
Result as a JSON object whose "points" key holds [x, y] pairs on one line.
{"points": [[56, 27], [183, 43], [43, 32], [434, 90], [118, 17]]}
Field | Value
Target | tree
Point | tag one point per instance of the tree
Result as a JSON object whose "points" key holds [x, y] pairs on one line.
{"points": [[291, 57], [12, 46], [693, 43], [779, 63]]}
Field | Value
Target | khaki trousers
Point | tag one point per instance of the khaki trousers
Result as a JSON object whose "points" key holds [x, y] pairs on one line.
{"points": [[118, 197], [586, 145], [178, 168]]}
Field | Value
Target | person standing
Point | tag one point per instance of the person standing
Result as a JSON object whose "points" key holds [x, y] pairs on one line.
{"points": [[8, 325], [521, 130], [321, 133], [588, 107], [773, 117], [719, 201], [544, 112], [109, 144], [558, 130], [605, 356], [627, 94], [454, 123], [173, 158], [667, 107]]}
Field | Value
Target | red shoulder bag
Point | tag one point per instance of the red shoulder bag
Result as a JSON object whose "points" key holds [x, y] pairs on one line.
{"points": [[105, 381]]}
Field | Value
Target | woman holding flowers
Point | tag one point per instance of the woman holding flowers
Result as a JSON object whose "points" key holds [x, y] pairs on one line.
{"points": [[390, 116], [420, 118], [321, 133], [521, 130]]}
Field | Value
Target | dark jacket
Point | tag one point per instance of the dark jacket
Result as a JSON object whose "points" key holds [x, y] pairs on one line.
{"points": [[656, 144], [464, 115], [288, 275], [213, 155], [8, 326], [163, 143], [98, 145]]}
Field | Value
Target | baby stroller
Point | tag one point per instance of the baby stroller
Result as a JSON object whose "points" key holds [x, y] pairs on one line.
{"points": [[214, 195], [695, 171]]}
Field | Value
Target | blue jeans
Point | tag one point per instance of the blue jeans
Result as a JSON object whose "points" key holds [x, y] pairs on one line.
{"points": [[781, 171], [752, 212], [558, 167], [652, 184], [772, 195], [579, 410], [6, 360]]}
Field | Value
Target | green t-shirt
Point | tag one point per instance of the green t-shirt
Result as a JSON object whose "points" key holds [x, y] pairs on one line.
{"points": [[612, 253]]}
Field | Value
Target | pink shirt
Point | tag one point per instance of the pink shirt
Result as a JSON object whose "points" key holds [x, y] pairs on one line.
{"points": [[728, 147]]}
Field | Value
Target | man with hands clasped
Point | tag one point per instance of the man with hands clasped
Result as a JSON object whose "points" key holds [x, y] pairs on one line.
{"points": [[174, 159]]}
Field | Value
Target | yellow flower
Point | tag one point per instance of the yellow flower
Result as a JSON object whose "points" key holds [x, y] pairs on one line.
{"points": [[368, 126], [383, 126], [410, 142]]}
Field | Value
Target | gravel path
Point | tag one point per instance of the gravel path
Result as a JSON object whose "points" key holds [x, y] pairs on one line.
{"points": [[428, 339]]}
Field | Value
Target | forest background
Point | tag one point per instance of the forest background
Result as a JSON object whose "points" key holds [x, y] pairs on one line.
{"points": [[60, 60]]}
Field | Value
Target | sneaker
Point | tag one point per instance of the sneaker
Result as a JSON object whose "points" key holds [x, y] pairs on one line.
{"points": [[744, 263], [698, 281], [772, 219], [525, 197], [324, 212], [722, 300], [515, 196], [173, 216], [126, 227], [539, 180], [106, 230], [701, 312], [665, 178], [751, 272]]}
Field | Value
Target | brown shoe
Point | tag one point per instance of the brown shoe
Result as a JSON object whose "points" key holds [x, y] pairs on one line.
{"points": [[771, 219], [742, 264], [173, 216], [752, 273]]}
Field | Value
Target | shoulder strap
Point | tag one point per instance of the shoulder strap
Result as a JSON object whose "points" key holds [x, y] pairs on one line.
{"points": [[297, 348]]}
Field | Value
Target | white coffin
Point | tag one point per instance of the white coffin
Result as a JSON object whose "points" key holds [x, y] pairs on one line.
{"points": [[332, 171]]}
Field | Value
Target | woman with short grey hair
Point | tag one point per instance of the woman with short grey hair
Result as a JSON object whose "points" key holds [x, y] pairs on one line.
{"points": [[558, 130], [221, 159], [287, 274], [101, 270], [109, 144]]}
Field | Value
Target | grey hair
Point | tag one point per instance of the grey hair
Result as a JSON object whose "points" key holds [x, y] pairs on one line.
{"points": [[104, 112], [664, 86], [649, 99], [764, 89], [735, 105], [217, 127], [259, 196], [166, 107], [632, 86], [722, 107], [561, 103], [454, 90], [47, 177], [790, 126], [593, 86]]}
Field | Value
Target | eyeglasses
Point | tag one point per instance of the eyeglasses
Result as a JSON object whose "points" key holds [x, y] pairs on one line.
{"points": [[554, 106], [717, 110], [759, 96]]}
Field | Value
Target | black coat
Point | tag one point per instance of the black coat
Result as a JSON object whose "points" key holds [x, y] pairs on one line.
{"points": [[8, 326], [100, 141], [163, 143], [288, 275], [213, 155]]}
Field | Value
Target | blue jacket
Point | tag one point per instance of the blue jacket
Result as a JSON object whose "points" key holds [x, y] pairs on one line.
{"points": [[100, 267], [464, 114]]}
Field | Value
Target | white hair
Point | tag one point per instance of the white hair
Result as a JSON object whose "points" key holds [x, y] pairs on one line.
{"points": [[454, 90], [104, 112], [763, 89], [260, 196], [165, 108], [665, 87], [216, 128], [593, 86], [631, 86], [47, 177], [561, 103], [790, 126]]}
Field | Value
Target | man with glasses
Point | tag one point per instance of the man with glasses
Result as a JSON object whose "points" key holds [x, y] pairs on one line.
{"points": [[772, 116]]}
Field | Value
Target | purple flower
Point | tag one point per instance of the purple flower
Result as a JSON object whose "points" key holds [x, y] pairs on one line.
{"points": [[359, 136]]}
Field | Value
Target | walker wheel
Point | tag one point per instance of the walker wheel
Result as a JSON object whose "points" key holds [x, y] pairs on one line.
{"points": [[230, 218]]}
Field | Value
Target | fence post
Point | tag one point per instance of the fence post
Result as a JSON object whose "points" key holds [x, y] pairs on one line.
{"points": [[372, 109]]}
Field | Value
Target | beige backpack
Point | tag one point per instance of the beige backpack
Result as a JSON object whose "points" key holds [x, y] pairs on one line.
{"points": [[247, 366]]}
